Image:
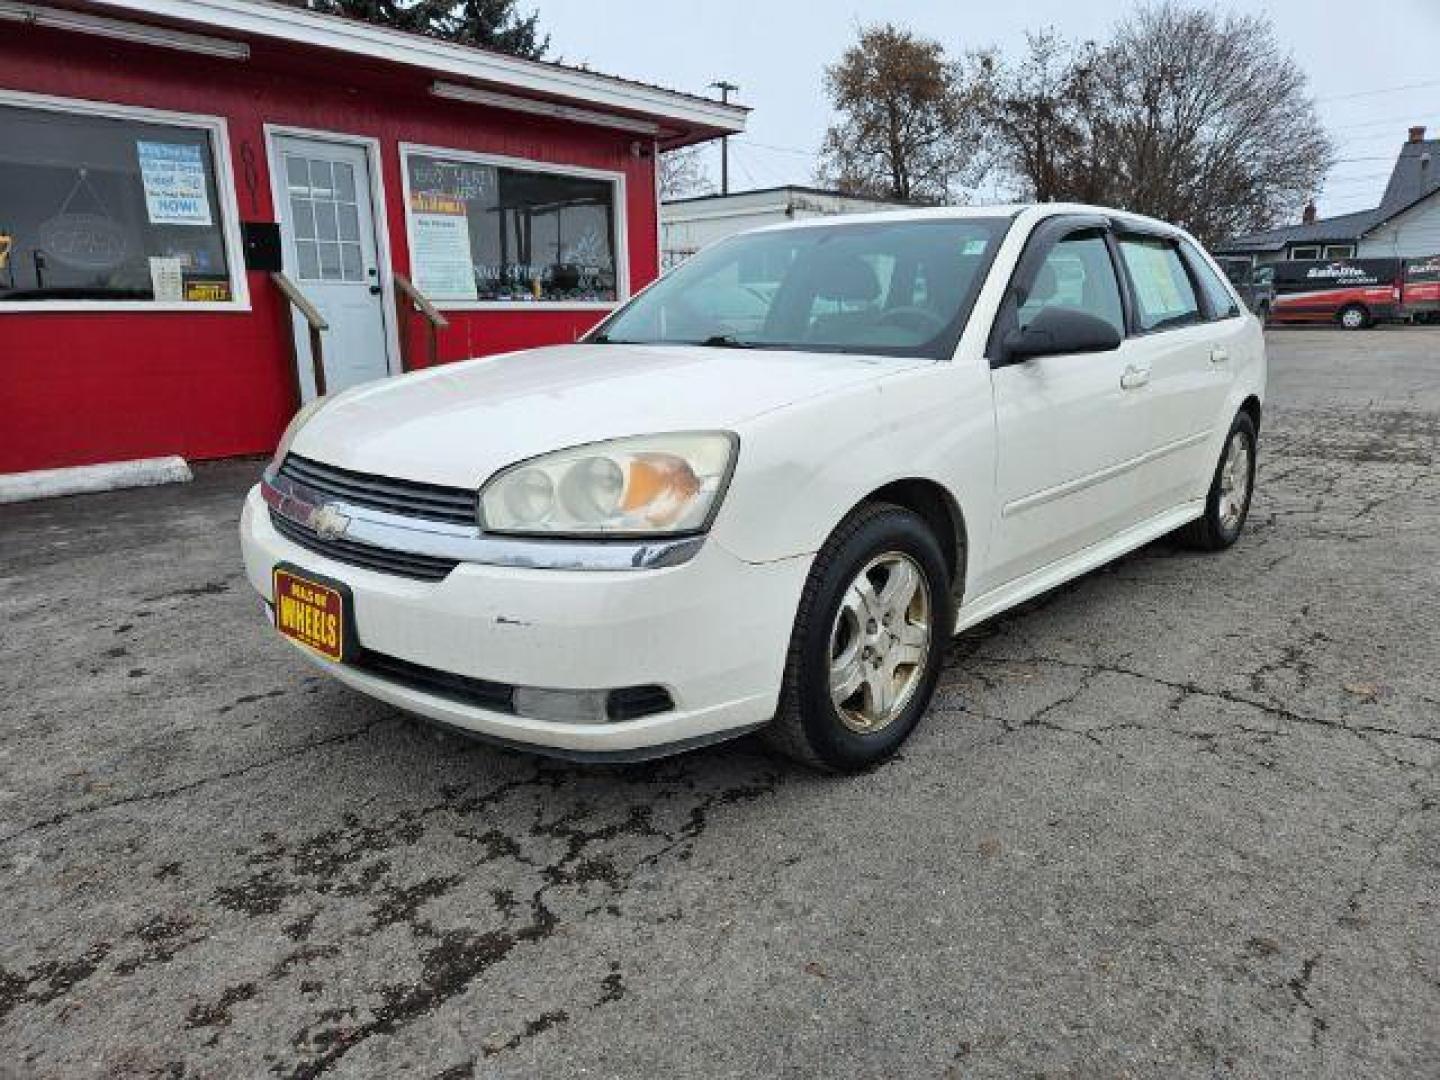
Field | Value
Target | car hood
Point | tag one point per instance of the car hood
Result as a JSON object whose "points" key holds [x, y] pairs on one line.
{"points": [[459, 423]]}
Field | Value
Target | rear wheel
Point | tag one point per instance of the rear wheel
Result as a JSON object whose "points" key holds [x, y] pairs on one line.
{"points": [[1354, 317], [868, 641], [1227, 504]]}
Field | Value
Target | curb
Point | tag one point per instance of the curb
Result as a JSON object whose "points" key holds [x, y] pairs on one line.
{"points": [[109, 476]]}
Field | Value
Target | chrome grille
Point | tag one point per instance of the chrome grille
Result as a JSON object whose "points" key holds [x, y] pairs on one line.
{"points": [[385, 560], [433, 502]]}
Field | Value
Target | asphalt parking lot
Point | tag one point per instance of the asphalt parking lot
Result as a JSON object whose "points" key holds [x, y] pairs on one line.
{"points": [[1179, 818]]}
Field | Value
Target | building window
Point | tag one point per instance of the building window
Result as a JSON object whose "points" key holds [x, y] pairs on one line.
{"points": [[104, 207], [1339, 251], [1310, 251], [489, 231]]}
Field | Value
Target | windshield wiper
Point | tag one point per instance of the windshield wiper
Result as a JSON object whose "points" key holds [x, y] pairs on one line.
{"points": [[725, 341]]}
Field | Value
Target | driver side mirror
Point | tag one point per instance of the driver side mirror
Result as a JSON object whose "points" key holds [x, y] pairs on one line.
{"points": [[1058, 331]]}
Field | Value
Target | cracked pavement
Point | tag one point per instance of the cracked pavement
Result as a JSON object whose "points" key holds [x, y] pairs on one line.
{"points": [[1179, 818]]}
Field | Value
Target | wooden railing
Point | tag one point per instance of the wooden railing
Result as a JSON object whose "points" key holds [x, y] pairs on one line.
{"points": [[408, 296], [315, 321]]}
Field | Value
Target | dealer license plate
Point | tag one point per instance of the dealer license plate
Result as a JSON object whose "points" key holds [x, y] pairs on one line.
{"points": [[311, 612]]}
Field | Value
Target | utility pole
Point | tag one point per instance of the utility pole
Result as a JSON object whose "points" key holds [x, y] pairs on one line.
{"points": [[726, 88]]}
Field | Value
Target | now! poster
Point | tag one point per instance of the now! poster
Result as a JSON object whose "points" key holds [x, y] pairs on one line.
{"points": [[173, 175]]}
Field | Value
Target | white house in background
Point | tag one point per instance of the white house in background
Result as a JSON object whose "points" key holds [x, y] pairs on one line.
{"points": [[687, 225], [1406, 224]]}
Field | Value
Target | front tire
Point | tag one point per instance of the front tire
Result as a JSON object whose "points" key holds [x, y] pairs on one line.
{"points": [[1227, 504], [868, 642], [1354, 317]]}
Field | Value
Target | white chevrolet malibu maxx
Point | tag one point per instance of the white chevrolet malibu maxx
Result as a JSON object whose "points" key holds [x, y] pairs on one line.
{"points": [[765, 492]]}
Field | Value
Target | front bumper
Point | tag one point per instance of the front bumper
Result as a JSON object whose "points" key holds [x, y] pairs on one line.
{"points": [[713, 631]]}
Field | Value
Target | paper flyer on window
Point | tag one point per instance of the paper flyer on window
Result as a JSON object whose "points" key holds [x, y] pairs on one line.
{"points": [[441, 232], [167, 279], [173, 175]]}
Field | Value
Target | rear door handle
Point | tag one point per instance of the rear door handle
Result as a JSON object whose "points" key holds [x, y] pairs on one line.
{"points": [[1134, 377], [1219, 356]]}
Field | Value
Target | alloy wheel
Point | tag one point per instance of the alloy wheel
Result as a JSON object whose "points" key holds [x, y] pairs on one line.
{"points": [[879, 642], [1234, 482]]}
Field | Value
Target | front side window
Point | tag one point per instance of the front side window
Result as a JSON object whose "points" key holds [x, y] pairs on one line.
{"points": [[1304, 253], [899, 288], [1219, 299], [1076, 274], [1339, 251], [109, 208], [487, 232], [1164, 297]]}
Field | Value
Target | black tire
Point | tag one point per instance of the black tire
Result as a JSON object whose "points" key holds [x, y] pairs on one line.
{"points": [[1354, 317], [807, 725], [1210, 531]]}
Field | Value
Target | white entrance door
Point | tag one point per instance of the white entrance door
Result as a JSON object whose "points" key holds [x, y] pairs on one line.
{"points": [[327, 229]]}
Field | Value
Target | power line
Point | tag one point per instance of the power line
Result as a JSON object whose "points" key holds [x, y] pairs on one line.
{"points": [[781, 149], [1385, 122], [1381, 90]]}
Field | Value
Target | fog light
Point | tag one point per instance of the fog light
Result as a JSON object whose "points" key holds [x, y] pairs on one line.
{"points": [[561, 706]]}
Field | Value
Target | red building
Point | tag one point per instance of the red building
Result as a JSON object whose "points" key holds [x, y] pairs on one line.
{"points": [[161, 160]]}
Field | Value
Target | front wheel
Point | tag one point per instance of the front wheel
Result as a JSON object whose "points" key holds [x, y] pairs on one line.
{"points": [[1354, 317], [1227, 504], [869, 637]]}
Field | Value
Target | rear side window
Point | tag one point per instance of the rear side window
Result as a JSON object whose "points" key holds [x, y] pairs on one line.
{"points": [[1164, 296], [1218, 299]]}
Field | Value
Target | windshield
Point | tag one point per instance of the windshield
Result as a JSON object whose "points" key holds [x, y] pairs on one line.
{"points": [[900, 288]]}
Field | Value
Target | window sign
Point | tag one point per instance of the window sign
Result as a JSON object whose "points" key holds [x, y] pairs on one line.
{"points": [[174, 179], [167, 279], [482, 231], [1162, 287], [441, 232], [112, 208]]}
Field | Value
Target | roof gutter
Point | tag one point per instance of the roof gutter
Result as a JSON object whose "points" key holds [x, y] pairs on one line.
{"points": [[121, 30], [281, 22]]}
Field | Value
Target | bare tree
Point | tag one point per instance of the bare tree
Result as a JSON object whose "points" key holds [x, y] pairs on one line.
{"points": [[1044, 118], [903, 132], [1210, 123], [1186, 114], [683, 173]]}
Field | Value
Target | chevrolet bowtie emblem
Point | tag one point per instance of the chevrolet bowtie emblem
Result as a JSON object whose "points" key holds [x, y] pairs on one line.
{"points": [[328, 523]]}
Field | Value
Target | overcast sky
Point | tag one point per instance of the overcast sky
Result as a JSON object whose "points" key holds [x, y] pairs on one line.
{"points": [[1358, 56]]}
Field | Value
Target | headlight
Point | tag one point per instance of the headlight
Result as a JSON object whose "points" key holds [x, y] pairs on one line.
{"points": [[649, 485], [292, 429]]}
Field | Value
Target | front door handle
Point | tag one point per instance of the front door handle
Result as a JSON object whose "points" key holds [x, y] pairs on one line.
{"points": [[1134, 377], [1219, 356]]}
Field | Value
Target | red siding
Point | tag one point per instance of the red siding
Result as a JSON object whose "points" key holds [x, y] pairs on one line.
{"points": [[77, 388]]}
